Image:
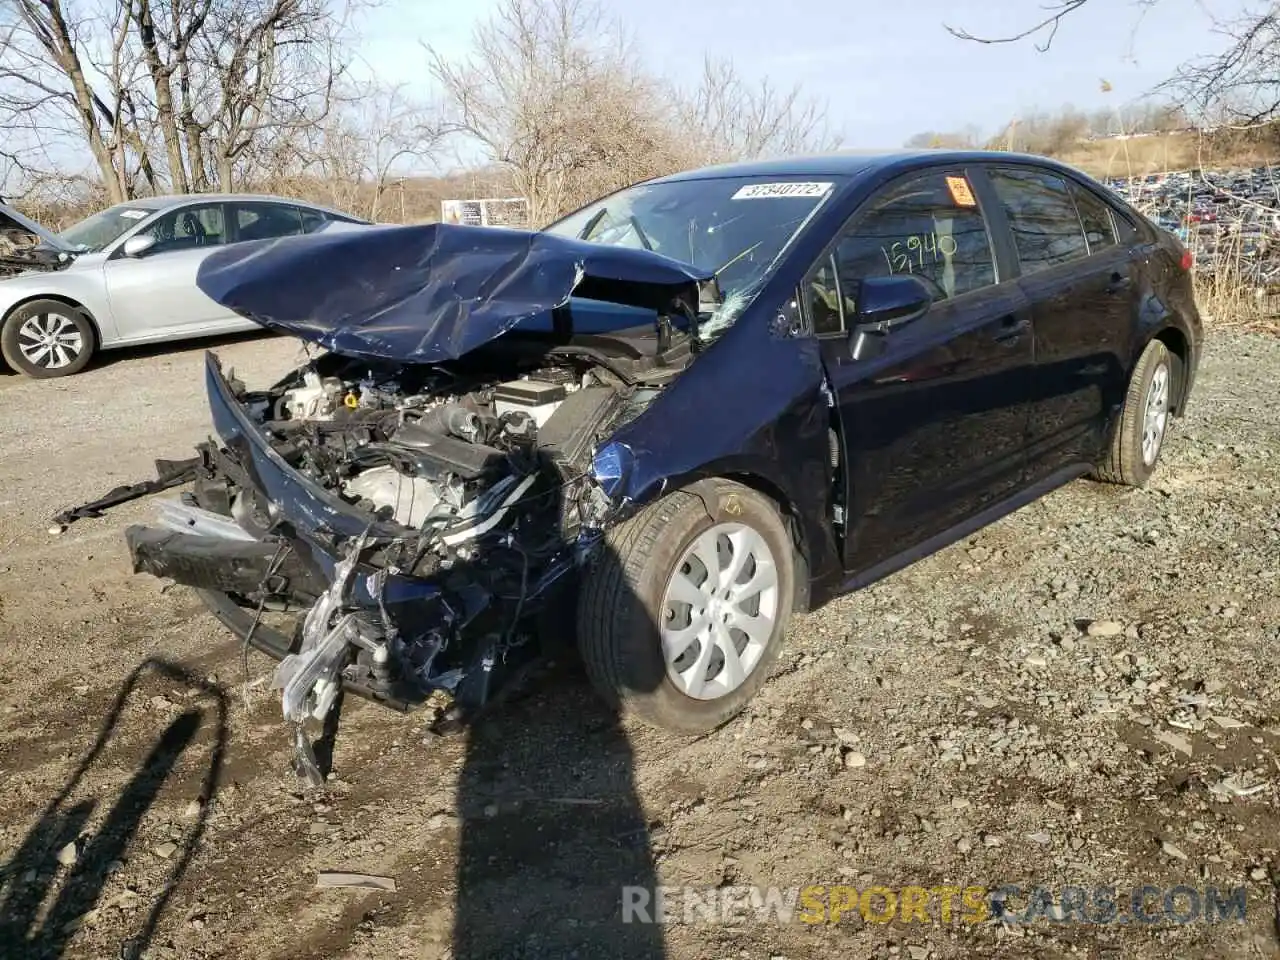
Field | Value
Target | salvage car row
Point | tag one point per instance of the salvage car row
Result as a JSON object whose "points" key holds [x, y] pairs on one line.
{"points": [[1229, 219]]}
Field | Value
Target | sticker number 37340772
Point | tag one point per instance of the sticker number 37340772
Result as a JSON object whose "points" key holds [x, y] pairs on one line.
{"points": [[763, 191]]}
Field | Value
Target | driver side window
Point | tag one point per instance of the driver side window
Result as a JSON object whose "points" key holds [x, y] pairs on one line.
{"points": [[929, 226], [188, 228]]}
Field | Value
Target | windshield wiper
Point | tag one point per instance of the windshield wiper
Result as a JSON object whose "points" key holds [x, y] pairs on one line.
{"points": [[591, 224], [635, 225], [594, 222]]}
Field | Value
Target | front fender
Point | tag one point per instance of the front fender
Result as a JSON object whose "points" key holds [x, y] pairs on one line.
{"points": [[753, 407], [78, 284]]}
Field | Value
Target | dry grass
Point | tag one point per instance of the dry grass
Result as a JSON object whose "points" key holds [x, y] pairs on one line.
{"points": [[1161, 153]]}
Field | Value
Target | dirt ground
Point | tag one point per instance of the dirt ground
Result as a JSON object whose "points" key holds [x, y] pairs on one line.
{"points": [[1083, 694]]}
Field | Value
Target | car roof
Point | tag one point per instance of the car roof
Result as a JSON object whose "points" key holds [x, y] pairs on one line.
{"points": [[178, 199], [859, 165]]}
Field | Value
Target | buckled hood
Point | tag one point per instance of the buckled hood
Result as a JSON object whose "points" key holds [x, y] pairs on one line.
{"points": [[431, 293]]}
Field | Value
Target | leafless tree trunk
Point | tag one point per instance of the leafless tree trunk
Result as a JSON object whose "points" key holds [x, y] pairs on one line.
{"points": [[43, 75], [213, 86]]}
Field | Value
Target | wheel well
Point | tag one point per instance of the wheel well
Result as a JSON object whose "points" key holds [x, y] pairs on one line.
{"points": [[1176, 344], [97, 333], [792, 519]]}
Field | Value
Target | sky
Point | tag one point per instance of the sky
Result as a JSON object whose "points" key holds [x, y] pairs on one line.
{"points": [[883, 74]]}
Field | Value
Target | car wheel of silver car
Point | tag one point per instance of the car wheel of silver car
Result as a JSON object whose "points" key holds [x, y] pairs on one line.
{"points": [[1144, 420], [685, 609], [47, 338]]}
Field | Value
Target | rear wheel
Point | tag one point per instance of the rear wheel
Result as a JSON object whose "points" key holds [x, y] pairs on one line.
{"points": [[1144, 418], [684, 612], [47, 338]]}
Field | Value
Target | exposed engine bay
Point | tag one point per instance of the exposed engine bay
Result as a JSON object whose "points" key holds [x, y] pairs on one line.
{"points": [[445, 453], [472, 482]]}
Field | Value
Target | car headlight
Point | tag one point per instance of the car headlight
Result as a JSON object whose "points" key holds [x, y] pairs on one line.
{"points": [[611, 467]]}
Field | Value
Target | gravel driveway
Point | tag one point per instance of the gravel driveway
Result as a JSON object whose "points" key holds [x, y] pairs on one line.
{"points": [[1084, 694]]}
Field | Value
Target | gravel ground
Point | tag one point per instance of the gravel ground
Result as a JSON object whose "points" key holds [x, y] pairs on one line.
{"points": [[1082, 694]]}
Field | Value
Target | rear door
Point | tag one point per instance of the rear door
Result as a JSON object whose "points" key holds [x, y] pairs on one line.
{"points": [[265, 220], [1077, 277], [932, 430]]}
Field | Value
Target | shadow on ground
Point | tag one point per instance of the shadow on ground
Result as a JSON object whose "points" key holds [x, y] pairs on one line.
{"points": [[41, 904], [551, 832]]}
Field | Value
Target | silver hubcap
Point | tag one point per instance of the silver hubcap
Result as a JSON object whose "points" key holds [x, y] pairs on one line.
{"points": [[50, 340], [719, 611], [1156, 415]]}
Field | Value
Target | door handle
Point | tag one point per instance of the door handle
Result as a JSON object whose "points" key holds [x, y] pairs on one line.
{"points": [[1118, 282], [1011, 329]]}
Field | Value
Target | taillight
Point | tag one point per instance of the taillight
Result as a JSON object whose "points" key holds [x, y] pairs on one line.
{"points": [[1187, 259]]}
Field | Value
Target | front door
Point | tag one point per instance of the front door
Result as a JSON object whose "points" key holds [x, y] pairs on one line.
{"points": [[933, 429], [154, 296]]}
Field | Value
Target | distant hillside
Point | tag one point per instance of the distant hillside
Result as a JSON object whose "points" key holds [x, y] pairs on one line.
{"points": [[1157, 153]]}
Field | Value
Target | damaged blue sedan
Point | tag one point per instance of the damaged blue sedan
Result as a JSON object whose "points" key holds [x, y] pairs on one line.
{"points": [[661, 426]]}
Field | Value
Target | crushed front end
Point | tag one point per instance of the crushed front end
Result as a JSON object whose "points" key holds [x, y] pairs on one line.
{"points": [[411, 524]]}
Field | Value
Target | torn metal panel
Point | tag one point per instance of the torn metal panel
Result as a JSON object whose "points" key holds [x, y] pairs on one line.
{"points": [[169, 473], [426, 294]]}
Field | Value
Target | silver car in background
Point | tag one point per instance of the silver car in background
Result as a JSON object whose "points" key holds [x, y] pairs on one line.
{"points": [[127, 275]]}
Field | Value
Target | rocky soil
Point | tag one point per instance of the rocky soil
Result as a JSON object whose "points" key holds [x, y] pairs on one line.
{"points": [[1083, 694]]}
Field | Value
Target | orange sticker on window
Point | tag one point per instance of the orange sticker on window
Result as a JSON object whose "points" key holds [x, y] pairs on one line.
{"points": [[960, 192]]}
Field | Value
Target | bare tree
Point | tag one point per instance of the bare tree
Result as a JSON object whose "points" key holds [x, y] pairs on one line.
{"points": [[553, 93], [50, 91], [1238, 86], [177, 94], [737, 118], [1241, 85], [367, 145]]}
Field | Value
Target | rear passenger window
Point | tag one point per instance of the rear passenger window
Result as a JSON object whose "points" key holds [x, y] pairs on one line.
{"points": [[1125, 230], [312, 220], [1042, 217], [929, 226], [1095, 216]]}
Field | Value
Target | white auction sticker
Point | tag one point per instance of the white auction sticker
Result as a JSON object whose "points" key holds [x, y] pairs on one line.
{"points": [[760, 191], [135, 214]]}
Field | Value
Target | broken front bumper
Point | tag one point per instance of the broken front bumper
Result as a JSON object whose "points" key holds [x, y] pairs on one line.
{"points": [[256, 528]]}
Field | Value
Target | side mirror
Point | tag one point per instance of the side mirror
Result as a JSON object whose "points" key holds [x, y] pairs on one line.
{"points": [[886, 304], [139, 245]]}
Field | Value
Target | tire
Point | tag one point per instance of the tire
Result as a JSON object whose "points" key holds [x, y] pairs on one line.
{"points": [[622, 599], [1136, 444], [74, 345]]}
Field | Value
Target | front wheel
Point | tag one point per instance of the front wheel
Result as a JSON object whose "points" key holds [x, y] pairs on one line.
{"points": [[684, 611], [47, 338]]}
